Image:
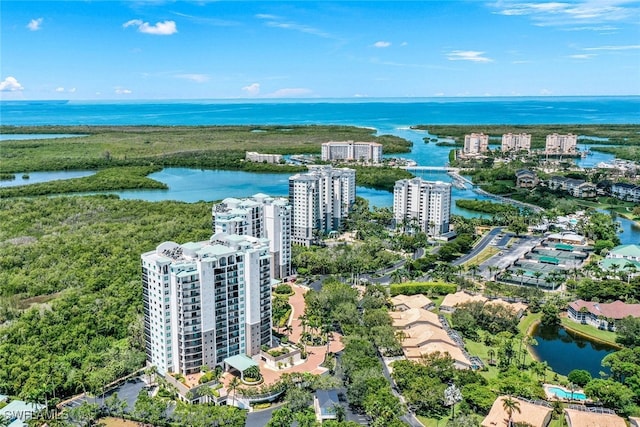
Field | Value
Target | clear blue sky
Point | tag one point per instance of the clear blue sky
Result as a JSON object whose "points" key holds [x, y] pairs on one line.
{"points": [[235, 49]]}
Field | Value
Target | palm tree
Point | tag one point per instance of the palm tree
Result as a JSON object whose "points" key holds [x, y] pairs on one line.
{"points": [[233, 387], [520, 272], [631, 270], [473, 268], [537, 275], [510, 405], [491, 353], [4, 421]]}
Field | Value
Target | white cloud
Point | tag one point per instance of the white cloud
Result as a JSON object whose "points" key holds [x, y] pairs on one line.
{"points": [[571, 13], [289, 93], [10, 84], [252, 89], [582, 56], [614, 48], [62, 90], [382, 44], [278, 22], [35, 24], [198, 78], [404, 44], [165, 28], [467, 55], [122, 91], [545, 92]]}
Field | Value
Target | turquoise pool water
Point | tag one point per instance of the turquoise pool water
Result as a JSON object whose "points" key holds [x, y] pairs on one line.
{"points": [[564, 394]]}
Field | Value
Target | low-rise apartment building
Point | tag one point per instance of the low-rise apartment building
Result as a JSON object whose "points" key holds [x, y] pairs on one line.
{"points": [[626, 192], [253, 156], [575, 187], [366, 152]]}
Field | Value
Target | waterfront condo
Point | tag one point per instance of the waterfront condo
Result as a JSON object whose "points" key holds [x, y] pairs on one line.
{"points": [[259, 216], [428, 203], [206, 301], [321, 200]]}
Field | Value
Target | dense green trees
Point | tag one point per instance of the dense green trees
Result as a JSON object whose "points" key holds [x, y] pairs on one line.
{"points": [[628, 332], [76, 262]]}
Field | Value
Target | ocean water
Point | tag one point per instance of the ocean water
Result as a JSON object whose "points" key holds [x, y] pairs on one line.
{"points": [[382, 114]]}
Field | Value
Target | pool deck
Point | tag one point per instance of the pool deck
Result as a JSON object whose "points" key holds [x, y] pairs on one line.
{"points": [[552, 396]]}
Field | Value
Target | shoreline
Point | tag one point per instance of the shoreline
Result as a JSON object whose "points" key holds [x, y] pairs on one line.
{"points": [[535, 324]]}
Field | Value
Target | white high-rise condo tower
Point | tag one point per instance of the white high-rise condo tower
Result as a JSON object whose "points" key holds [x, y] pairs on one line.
{"points": [[259, 216], [426, 202], [206, 301], [321, 200]]}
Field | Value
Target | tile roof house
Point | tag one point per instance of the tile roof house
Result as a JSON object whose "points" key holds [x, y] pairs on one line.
{"points": [[450, 302], [585, 418], [536, 414], [601, 315], [406, 302], [424, 334]]}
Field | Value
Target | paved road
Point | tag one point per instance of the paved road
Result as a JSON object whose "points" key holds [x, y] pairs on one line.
{"points": [[409, 417], [127, 391], [484, 242]]}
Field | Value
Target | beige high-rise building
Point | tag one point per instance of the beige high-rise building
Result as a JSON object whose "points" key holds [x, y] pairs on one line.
{"points": [[427, 202], [476, 143], [369, 152], [516, 142], [321, 200], [561, 144]]}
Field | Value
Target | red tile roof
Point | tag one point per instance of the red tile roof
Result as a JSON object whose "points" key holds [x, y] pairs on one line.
{"points": [[614, 310]]}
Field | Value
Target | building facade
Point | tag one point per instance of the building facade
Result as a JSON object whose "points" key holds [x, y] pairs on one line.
{"points": [[526, 178], [627, 192], [561, 144], [516, 142], [206, 301], [253, 156], [368, 152], [426, 202], [259, 216], [476, 143], [575, 187], [321, 199]]}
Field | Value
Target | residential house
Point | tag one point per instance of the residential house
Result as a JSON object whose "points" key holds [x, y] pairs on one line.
{"points": [[325, 403], [406, 302], [583, 417], [535, 414], [601, 315], [526, 179]]}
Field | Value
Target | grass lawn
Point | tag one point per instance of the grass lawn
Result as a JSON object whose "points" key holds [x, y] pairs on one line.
{"points": [[590, 331], [527, 321], [487, 253]]}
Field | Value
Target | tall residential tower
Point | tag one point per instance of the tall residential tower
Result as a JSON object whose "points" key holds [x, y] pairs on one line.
{"points": [[259, 216], [206, 301], [321, 200], [427, 202]]}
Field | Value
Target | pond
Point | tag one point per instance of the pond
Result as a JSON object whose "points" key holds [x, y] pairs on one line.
{"points": [[565, 351]]}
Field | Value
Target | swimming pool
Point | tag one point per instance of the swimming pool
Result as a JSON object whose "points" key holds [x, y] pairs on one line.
{"points": [[566, 394]]}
